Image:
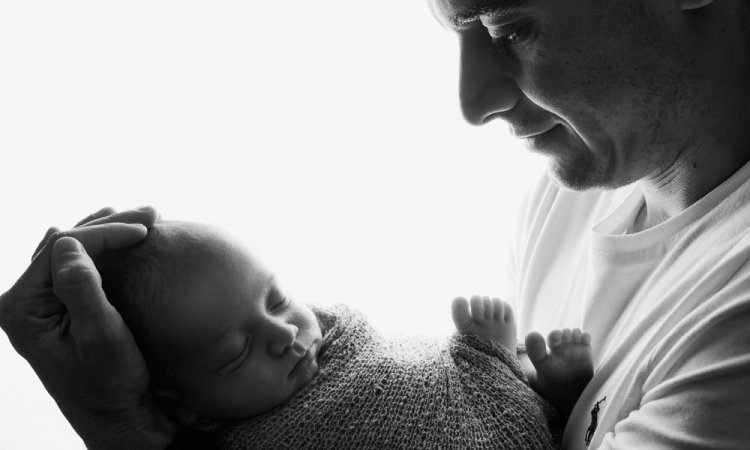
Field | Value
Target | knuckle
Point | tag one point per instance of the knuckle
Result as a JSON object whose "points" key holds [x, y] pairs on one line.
{"points": [[56, 235], [10, 309]]}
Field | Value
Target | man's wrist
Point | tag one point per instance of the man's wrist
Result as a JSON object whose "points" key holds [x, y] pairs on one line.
{"points": [[118, 438], [144, 428]]}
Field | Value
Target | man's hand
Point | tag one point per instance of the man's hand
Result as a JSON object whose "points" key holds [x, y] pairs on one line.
{"points": [[58, 318]]}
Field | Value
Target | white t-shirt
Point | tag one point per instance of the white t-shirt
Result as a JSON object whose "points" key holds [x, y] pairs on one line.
{"points": [[668, 310]]}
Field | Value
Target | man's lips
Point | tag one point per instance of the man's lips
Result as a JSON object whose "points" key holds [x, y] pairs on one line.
{"points": [[526, 134]]}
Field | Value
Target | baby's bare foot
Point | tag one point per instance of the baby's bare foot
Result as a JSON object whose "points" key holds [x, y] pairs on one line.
{"points": [[563, 372], [488, 317]]}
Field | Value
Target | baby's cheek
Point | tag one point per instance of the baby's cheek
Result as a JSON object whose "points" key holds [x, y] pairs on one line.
{"points": [[228, 400], [311, 324]]}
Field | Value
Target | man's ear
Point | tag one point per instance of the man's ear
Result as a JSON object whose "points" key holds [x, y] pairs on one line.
{"points": [[695, 4], [171, 403]]}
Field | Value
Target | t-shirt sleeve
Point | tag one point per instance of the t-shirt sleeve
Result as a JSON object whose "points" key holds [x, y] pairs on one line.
{"points": [[702, 402]]}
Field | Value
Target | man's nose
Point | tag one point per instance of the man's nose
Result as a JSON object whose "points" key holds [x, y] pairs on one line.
{"points": [[485, 86], [280, 337]]}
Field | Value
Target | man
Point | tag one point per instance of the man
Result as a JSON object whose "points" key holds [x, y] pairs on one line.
{"points": [[655, 93], [651, 92], [57, 317]]}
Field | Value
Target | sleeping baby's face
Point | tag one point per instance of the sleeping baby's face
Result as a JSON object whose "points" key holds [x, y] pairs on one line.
{"points": [[242, 346]]}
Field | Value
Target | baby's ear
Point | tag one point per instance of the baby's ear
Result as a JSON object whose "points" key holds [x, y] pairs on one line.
{"points": [[171, 404]]}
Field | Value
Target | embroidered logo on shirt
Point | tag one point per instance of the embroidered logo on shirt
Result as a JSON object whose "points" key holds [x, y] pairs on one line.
{"points": [[594, 422]]}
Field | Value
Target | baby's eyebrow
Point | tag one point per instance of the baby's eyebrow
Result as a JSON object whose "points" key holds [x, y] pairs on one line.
{"points": [[267, 287]]}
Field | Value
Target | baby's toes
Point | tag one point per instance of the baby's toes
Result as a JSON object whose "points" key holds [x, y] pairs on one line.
{"points": [[477, 309], [503, 311], [461, 315], [572, 352], [490, 308], [582, 345], [536, 349], [579, 337], [554, 338], [575, 346]]}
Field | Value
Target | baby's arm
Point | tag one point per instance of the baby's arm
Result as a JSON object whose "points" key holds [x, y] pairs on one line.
{"points": [[487, 317], [563, 372]]}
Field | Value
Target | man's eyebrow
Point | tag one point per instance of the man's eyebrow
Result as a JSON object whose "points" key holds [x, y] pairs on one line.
{"points": [[457, 13]]}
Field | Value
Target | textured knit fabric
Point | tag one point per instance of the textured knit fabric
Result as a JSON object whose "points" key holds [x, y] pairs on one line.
{"points": [[668, 309], [376, 393]]}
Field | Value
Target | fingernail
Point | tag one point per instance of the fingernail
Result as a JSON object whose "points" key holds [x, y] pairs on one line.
{"points": [[69, 244], [141, 208]]}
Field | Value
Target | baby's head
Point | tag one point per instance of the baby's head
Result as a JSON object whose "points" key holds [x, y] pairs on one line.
{"points": [[221, 340]]}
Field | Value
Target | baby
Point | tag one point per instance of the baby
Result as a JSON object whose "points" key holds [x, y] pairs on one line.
{"points": [[229, 351]]}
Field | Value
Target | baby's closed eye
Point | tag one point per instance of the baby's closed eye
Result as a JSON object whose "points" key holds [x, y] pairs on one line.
{"points": [[237, 361]]}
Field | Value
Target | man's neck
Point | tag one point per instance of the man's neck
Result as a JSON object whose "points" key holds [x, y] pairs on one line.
{"points": [[685, 182]]}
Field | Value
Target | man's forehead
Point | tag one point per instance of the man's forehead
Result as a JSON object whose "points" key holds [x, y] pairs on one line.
{"points": [[456, 13]]}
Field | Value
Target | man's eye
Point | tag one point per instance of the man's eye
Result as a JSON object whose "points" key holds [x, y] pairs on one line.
{"points": [[501, 40], [513, 38]]}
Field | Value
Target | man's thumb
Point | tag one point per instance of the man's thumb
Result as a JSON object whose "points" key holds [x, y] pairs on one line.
{"points": [[77, 284]]}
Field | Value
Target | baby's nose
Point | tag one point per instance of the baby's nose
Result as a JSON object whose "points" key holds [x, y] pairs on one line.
{"points": [[283, 338]]}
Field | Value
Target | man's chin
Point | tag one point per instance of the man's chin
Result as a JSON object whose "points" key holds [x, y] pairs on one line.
{"points": [[576, 177]]}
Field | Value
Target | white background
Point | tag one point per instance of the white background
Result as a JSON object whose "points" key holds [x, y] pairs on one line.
{"points": [[326, 134]]}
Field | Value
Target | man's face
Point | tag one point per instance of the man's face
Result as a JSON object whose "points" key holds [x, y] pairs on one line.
{"points": [[246, 346], [597, 86]]}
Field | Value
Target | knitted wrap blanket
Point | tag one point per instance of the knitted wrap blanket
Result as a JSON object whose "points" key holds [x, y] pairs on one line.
{"points": [[409, 393]]}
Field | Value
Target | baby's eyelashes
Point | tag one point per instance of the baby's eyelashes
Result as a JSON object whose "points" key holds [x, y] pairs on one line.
{"points": [[280, 304], [237, 361]]}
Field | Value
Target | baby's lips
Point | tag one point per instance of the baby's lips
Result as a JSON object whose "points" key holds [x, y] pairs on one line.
{"points": [[304, 362]]}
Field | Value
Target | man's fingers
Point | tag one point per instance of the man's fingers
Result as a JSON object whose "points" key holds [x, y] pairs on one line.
{"points": [[47, 235], [95, 239], [78, 285], [145, 215], [106, 211]]}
